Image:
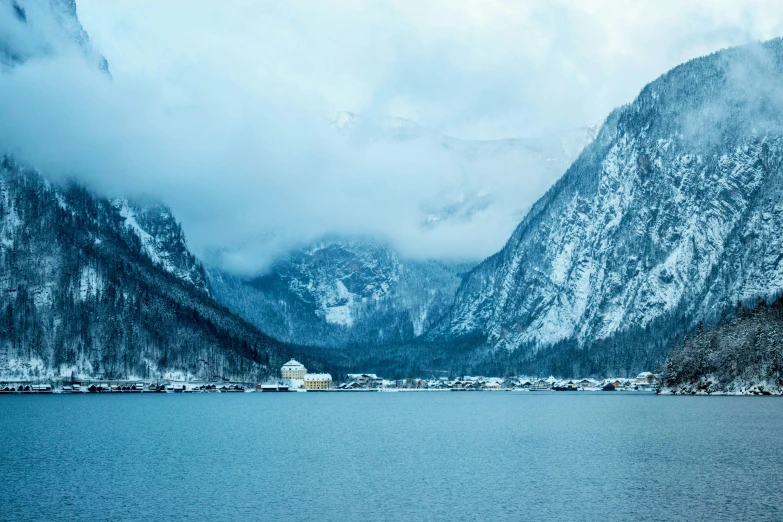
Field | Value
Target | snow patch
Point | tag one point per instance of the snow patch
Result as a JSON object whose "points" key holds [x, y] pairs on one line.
{"points": [[90, 283]]}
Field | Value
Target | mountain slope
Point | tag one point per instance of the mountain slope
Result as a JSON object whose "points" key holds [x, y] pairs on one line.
{"points": [[82, 293], [99, 287], [673, 213], [340, 292], [162, 240], [742, 354], [38, 29]]}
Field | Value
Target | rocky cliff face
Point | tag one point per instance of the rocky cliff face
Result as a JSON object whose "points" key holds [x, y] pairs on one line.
{"points": [[161, 239], [36, 29], [673, 213], [339, 292]]}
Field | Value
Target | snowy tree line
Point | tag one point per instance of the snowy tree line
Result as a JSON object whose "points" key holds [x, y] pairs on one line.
{"points": [[78, 294], [739, 351]]}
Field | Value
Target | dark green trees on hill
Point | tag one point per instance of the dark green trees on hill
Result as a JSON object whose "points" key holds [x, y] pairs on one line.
{"points": [[100, 287], [738, 352]]}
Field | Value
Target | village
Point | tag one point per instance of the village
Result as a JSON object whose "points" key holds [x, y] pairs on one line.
{"points": [[643, 382], [295, 378]]}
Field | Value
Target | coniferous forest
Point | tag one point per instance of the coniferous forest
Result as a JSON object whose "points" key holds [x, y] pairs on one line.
{"points": [[84, 292], [741, 353]]}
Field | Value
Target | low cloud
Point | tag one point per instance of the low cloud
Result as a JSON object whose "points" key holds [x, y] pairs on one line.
{"points": [[225, 110]]}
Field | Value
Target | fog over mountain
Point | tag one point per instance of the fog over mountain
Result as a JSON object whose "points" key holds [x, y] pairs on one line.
{"points": [[228, 115], [338, 198], [93, 286]]}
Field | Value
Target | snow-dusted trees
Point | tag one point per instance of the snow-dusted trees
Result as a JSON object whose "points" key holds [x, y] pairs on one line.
{"points": [[79, 293], [746, 348]]}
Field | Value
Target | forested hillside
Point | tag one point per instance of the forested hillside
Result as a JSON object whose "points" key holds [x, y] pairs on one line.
{"points": [[96, 286], [86, 288], [741, 354]]}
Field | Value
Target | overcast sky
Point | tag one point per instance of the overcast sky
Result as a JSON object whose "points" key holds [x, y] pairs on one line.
{"points": [[223, 108], [473, 68]]}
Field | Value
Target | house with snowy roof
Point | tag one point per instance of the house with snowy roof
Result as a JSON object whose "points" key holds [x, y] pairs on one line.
{"points": [[293, 369], [318, 381], [366, 380], [645, 378]]}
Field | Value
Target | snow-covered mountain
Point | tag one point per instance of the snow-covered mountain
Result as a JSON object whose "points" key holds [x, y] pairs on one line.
{"points": [[97, 286], [162, 240], [93, 286], [672, 214], [338, 292], [39, 28]]}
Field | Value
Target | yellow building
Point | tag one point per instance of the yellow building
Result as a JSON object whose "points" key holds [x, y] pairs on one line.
{"points": [[645, 378], [293, 369], [317, 381]]}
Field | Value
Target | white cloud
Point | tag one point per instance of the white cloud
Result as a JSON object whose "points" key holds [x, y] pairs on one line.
{"points": [[222, 109], [476, 68]]}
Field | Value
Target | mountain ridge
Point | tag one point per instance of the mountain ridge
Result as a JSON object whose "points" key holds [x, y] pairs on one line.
{"points": [[343, 291], [104, 287], [645, 225]]}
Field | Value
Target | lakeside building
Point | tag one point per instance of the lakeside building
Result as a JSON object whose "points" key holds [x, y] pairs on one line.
{"points": [[317, 381], [366, 380], [293, 369], [646, 378]]}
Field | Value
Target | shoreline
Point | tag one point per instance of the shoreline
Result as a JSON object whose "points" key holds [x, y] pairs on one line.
{"points": [[58, 391], [664, 392]]}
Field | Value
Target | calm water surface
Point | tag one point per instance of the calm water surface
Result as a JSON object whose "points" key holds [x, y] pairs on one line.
{"points": [[395, 456]]}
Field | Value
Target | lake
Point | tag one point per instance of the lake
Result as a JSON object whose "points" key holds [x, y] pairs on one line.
{"points": [[391, 456]]}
